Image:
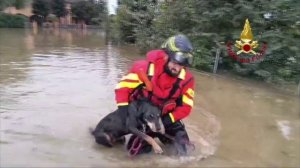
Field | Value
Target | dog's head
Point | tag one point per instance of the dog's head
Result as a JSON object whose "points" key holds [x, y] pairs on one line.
{"points": [[151, 116]]}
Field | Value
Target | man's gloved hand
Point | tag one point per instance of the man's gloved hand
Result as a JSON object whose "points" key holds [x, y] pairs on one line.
{"points": [[123, 111], [167, 121], [168, 106]]}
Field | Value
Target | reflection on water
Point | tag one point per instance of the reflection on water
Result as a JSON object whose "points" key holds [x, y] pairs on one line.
{"points": [[55, 84]]}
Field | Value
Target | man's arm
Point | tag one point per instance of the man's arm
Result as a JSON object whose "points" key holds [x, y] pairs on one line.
{"points": [[129, 82], [182, 111]]}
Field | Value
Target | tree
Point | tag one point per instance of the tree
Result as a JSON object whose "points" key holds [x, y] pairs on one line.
{"points": [[87, 10], [101, 9], [58, 8], [16, 3], [134, 20], [12, 21], [19, 4], [210, 24], [41, 8], [4, 4]]}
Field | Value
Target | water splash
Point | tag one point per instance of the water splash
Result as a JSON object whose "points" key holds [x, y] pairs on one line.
{"points": [[284, 128]]}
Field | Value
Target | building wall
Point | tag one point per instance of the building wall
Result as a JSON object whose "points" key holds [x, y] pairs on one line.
{"points": [[24, 11]]}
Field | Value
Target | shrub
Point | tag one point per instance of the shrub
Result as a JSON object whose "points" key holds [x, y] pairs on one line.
{"points": [[12, 21]]}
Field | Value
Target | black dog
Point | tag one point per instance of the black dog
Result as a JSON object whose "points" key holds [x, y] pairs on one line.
{"points": [[141, 114]]}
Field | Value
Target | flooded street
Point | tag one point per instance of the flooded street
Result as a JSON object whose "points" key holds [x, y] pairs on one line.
{"points": [[55, 85]]}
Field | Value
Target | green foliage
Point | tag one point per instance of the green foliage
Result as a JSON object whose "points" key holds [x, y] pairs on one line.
{"points": [[3, 4], [125, 25], [41, 7], [16, 3], [6, 3], [211, 24], [101, 8], [91, 12], [83, 11], [19, 4], [133, 17], [58, 8], [112, 29], [12, 21]]}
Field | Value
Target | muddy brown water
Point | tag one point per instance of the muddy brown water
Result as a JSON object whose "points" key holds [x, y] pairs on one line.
{"points": [[56, 84]]}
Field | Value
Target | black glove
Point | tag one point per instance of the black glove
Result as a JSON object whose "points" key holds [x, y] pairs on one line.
{"points": [[166, 119], [123, 110]]}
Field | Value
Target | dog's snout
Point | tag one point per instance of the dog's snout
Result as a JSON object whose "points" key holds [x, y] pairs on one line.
{"points": [[161, 127], [158, 129], [152, 126]]}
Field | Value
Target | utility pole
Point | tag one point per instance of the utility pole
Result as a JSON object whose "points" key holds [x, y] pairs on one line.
{"points": [[299, 88], [216, 61]]}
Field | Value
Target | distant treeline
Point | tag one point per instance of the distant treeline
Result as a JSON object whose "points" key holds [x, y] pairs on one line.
{"points": [[91, 12]]}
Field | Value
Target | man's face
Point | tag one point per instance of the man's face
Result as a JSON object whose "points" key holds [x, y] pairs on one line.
{"points": [[174, 68]]}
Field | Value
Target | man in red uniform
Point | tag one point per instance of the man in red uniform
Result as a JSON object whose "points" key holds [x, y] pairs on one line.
{"points": [[172, 87]]}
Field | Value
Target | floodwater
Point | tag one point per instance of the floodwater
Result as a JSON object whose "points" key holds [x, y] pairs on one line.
{"points": [[55, 85]]}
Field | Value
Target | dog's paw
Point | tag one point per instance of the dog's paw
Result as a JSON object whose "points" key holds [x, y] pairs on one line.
{"points": [[157, 149]]}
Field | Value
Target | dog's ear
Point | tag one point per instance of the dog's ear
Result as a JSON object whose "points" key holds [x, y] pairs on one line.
{"points": [[142, 100], [133, 106], [132, 114], [139, 103]]}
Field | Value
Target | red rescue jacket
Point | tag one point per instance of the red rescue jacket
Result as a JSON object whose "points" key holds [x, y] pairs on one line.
{"points": [[181, 98]]}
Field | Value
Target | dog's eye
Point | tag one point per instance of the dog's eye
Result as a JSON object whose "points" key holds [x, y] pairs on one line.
{"points": [[151, 116]]}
